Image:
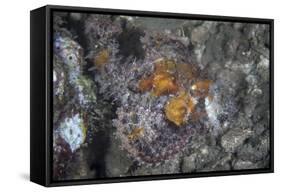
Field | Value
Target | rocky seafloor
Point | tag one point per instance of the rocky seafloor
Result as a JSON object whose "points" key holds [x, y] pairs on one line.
{"points": [[138, 96]]}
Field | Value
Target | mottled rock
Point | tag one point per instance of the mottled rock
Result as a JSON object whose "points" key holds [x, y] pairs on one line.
{"points": [[199, 34], [262, 68], [234, 138], [171, 166], [223, 44], [207, 154], [117, 162], [240, 164], [259, 128], [255, 150], [222, 163], [189, 164]]}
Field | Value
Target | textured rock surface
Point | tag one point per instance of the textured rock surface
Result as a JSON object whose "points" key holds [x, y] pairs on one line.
{"points": [[117, 162], [234, 138]]}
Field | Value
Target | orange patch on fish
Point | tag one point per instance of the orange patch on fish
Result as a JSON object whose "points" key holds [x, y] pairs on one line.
{"points": [[178, 108], [165, 65], [145, 84], [136, 133], [187, 71], [162, 81]]}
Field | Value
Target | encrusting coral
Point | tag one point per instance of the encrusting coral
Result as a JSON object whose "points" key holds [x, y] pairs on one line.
{"points": [[74, 98]]}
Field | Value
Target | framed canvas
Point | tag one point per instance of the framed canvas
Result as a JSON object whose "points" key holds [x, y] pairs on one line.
{"points": [[122, 95]]}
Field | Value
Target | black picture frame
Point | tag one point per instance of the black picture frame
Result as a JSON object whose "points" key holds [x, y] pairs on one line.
{"points": [[41, 90]]}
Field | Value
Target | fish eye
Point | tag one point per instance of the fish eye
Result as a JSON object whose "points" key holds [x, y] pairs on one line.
{"points": [[70, 57]]}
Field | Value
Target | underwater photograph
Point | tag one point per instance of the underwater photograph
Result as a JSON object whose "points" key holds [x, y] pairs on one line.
{"points": [[144, 96]]}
